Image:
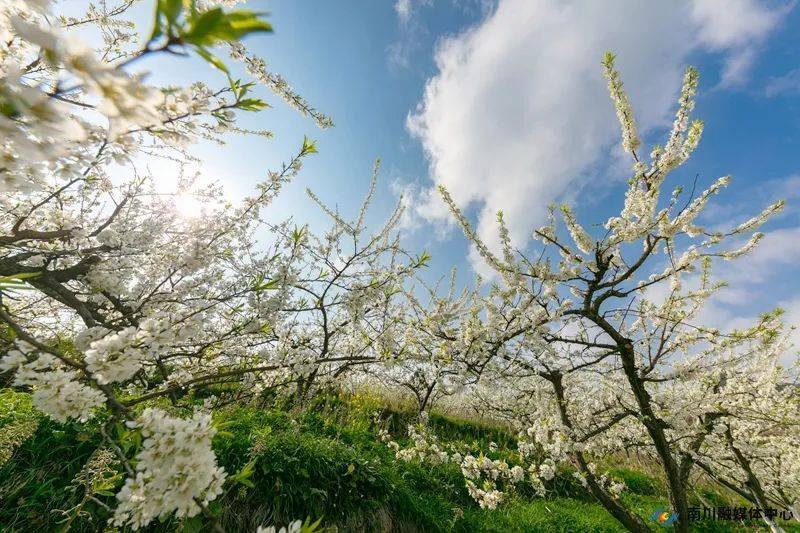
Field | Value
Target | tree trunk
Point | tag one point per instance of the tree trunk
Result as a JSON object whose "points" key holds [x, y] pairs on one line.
{"points": [[752, 483], [795, 509], [676, 490], [630, 521], [423, 401]]}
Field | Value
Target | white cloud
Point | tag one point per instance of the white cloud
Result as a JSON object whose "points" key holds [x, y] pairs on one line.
{"points": [[776, 251], [518, 112], [403, 10], [736, 26], [399, 55], [411, 33], [736, 67], [789, 83], [729, 23]]}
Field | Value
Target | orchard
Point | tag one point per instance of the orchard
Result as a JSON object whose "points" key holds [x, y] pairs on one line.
{"points": [[175, 358]]}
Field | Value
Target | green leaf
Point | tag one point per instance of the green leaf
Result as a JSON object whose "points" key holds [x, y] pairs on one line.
{"points": [[422, 260], [167, 14], [266, 286], [212, 59], [8, 109], [243, 22], [215, 508], [215, 25], [16, 281], [219, 425], [251, 104], [309, 527], [17, 286], [171, 9], [157, 28], [309, 147], [298, 234], [20, 276], [244, 474], [202, 28], [10, 334]]}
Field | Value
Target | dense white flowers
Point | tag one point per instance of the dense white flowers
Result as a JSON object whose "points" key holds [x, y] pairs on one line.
{"points": [[630, 138], [425, 447], [582, 239], [124, 295], [484, 477], [122, 97], [680, 144], [176, 471], [57, 391], [118, 355], [486, 496], [546, 471], [113, 358]]}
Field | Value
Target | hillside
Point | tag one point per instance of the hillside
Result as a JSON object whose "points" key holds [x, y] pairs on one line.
{"points": [[324, 462]]}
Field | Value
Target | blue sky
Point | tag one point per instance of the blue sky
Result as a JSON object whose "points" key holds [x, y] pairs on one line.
{"points": [[504, 103]]}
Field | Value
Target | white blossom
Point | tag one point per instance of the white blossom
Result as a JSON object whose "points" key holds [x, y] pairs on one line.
{"points": [[176, 470]]}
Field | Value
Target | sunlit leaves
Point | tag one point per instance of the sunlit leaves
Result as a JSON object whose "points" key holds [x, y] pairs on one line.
{"points": [[216, 25], [309, 147], [180, 27], [17, 281]]}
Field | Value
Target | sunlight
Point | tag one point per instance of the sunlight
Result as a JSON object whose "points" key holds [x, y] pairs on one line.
{"points": [[188, 205]]}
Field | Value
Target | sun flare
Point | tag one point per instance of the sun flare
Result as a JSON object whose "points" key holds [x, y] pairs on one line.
{"points": [[188, 205]]}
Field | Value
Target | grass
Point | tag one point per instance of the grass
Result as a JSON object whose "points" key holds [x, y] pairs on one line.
{"points": [[556, 515], [325, 461]]}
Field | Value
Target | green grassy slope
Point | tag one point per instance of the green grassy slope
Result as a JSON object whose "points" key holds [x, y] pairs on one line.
{"points": [[325, 461]]}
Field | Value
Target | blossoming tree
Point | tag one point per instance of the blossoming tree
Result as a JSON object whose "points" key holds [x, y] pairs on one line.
{"points": [[111, 297], [613, 331]]}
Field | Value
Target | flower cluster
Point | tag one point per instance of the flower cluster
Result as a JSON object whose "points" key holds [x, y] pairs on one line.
{"points": [[57, 390], [118, 355], [114, 357], [482, 475], [487, 496], [630, 138], [425, 446], [176, 470]]}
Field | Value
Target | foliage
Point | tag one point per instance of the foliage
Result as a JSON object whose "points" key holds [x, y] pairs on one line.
{"points": [[322, 463]]}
